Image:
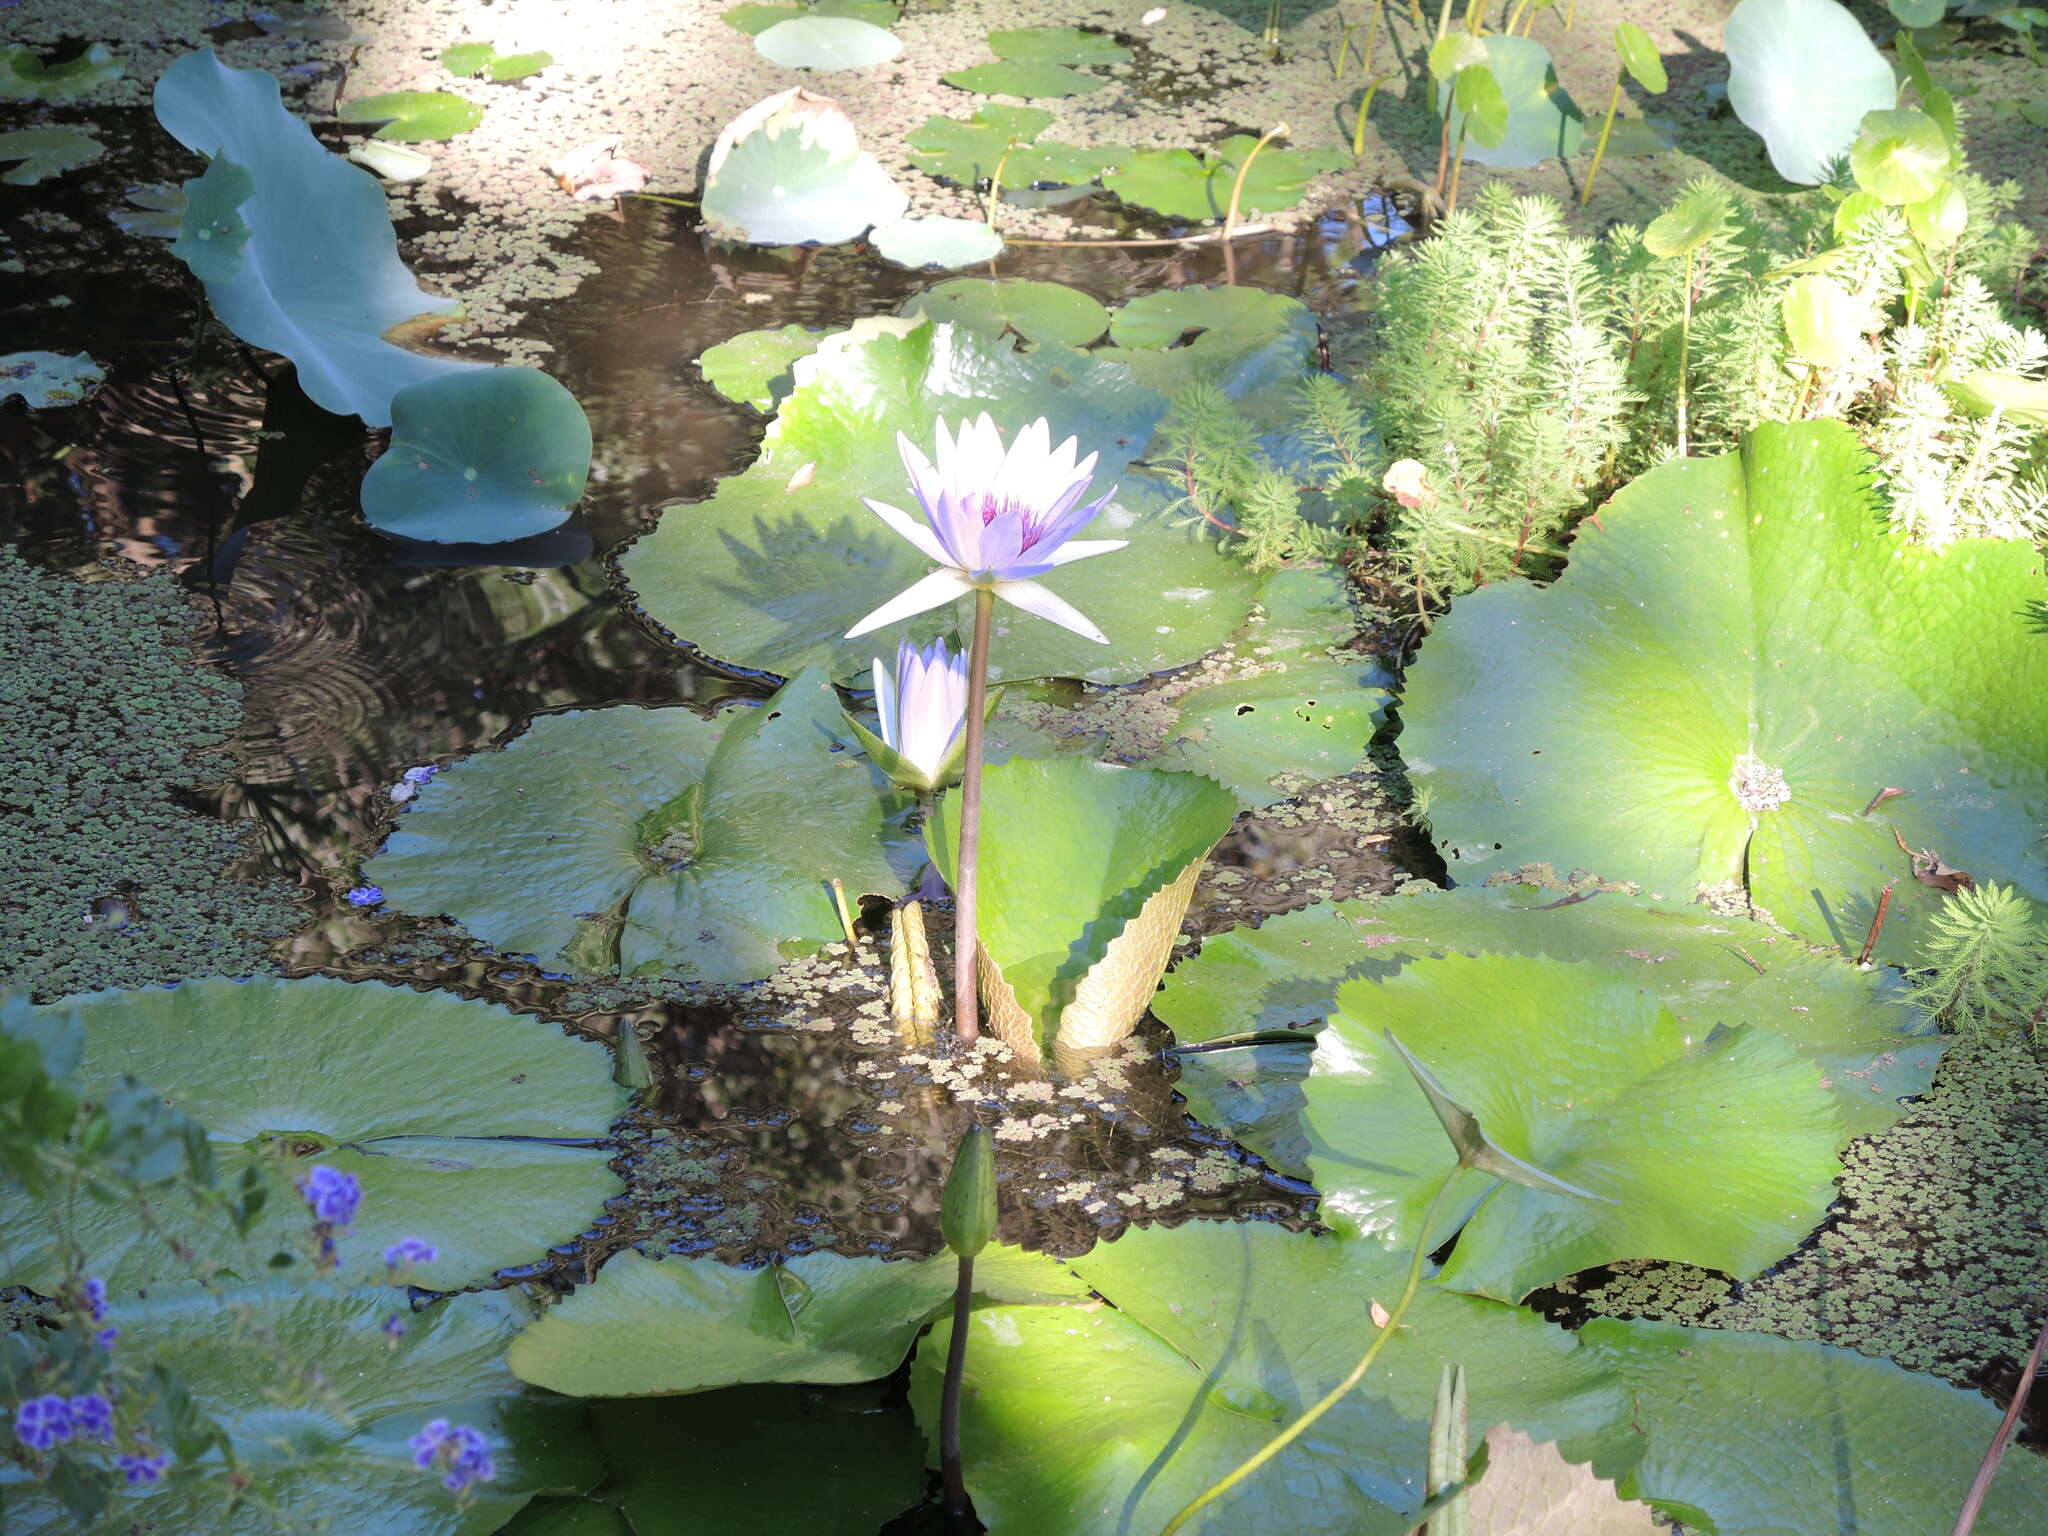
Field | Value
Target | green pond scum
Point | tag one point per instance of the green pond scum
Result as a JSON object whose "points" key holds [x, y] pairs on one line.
{"points": [[1043, 767]]}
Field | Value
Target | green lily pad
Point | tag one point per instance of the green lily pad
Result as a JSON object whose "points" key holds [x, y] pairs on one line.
{"points": [[1807, 116], [1085, 1421], [1530, 1489], [753, 368], [1709, 971], [756, 19], [827, 42], [1543, 123], [1036, 311], [1010, 78], [464, 59], [331, 1072], [335, 1456], [414, 117], [550, 846], [25, 77], [1242, 340], [1640, 58], [649, 1326], [1748, 680], [479, 457], [769, 575], [46, 152], [212, 232], [1002, 138], [1053, 907], [937, 242], [1056, 45], [44, 379], [780, 185], [1182, 184], [1750, 1435]]}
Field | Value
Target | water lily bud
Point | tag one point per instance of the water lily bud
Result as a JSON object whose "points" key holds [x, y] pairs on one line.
{"points": [[967, 1210]]}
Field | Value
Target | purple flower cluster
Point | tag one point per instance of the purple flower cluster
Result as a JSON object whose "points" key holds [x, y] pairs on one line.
{"points": [[44, 1422], [410, 1250], [366, 896], [332, 1194], [92, 1417], [142, 1469], [462, 1450], [96, 1298]]}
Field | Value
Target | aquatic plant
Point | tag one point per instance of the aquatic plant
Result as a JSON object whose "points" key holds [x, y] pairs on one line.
{"points": [[484, 59], [1807, 117], [1640, 63], [790, 170], [41, 153], [922, 705], [1986, 952], [46, 379], [25, 77], [937, 243], [414, 117], [827, 43]]}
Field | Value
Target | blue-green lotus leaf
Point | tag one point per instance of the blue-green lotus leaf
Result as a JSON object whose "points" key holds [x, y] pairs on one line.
{"points": [[789, 188], [1801, 73], [415, 117], [827, 42], [46, 152], [321, 281], [1543, 121], [1008, 78], [479, 457], [937, 242], [212, 233], [25, 77]]}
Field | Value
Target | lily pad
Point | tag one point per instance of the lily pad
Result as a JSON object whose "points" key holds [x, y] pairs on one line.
{"points": [[46, 152], [415, 117], [479, 457], [1036, 311], [44, 379], [937, 242], [1686, 707], [1750, 1435], [1873, 1053], [771, 575], [1009, 78], [1543, 122], [212, 232], [1530, 1490], [484, 59], [657, 840], [756, 19], [1081, 863], [327, 283], [1182, 184], [1242, 340], [827, 42], [753, 368], [1216, 1336], [1004, 139], [25, 77], [781, 185], [671, 1325], [1056, 45], [329, 1073], [1807, 116], [393, 162]]}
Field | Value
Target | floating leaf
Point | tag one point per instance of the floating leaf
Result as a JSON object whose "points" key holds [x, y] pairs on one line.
{"points": [[1529, 1489], [1900, 156], [756, 19], [1018, 79], [46, 152], [1543, 123], [827, 42], [1036, 311], [479, 457], [1640, 58], [483, 59], [753, 368], [1056, 45], [25, 77], [937, 242], [45, 379], [1182, 184], [285, 19], [212, 233], [1242, 340], [1002, 138], [790, 171], [473, 1157], [415, 117], [1779, 659], [394, 162], [1802, 74]]}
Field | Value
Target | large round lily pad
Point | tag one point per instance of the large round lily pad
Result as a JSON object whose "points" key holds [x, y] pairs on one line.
{"points": [[291, 1075], [1747, 681], [1036, 311], [657, 840], [1242, 340], [827, 42], [1185, 184], [936, 242], [774, 569]]}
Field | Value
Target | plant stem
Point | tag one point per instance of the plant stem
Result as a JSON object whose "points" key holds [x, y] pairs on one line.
{"points": [[1336, 1394], [1600, 149], [1981, 1483], [1569, 7], [959, 1513], [995, 186], [1372, 38], [1684, 349], [1457, 170], [966, 1000], [1244, 167], [1443, 20], [1364, 111]]}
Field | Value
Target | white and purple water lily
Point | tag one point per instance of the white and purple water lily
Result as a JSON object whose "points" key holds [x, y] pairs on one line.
{"points": [[923, 710], [994, 518]]}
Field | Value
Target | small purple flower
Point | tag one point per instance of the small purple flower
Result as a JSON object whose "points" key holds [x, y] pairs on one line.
{"points": [[410, 1250], [42, 1422], [393, 1326], [463, 1451], [105, 1337], [96, 1297], [366, 896], [420, 775], [333, 1195], [92, 1416], [142, 1469]]}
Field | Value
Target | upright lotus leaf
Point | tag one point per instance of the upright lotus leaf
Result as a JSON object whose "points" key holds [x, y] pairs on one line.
{"points": [[1056, 45], [46, 152], [479, 457], [649, 1326], [1183, 184], [1036, 311], [320, 280], [657, 840], [1008, 78], [778, 564], [1109, 1419], [1748, 680], [212, 233], [334, 1455], [1002, 139], [795, 174], [1709, 971], [1802, 74], [1086, 870], [1900, 156], [25, 77], [827, 42], [415, 117], [45, 379], [1242, 340], [1640, 58], [753, 368], [941, 243], [454, 1116], [1749, 1435], [1543, 122]]}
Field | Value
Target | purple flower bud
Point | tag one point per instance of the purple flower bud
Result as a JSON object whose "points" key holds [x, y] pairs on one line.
{"points": [[96, 1297], [142, 1469], [463, 1451], [333, 1195], [92, 1416], [393, 1326], [420, 775], [42, 1422], [106, 1336], [410, 1250], [366, 896]]}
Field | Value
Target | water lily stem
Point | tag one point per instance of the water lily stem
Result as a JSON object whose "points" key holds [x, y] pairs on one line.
{"points": [[1277, 131], [1980, 1485], [959, 1512], [966, 1009], [1336, 1394], [1684, 349], [1600, 149]]}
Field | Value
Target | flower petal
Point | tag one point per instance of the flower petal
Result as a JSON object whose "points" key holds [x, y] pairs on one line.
{"points": [[1048, 605], [942, 586], [1081, 549], [885, 699], [926, 541]]}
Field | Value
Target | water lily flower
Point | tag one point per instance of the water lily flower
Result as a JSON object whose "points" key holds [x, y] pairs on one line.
{"points": [[993, 519], [923, 710]]}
